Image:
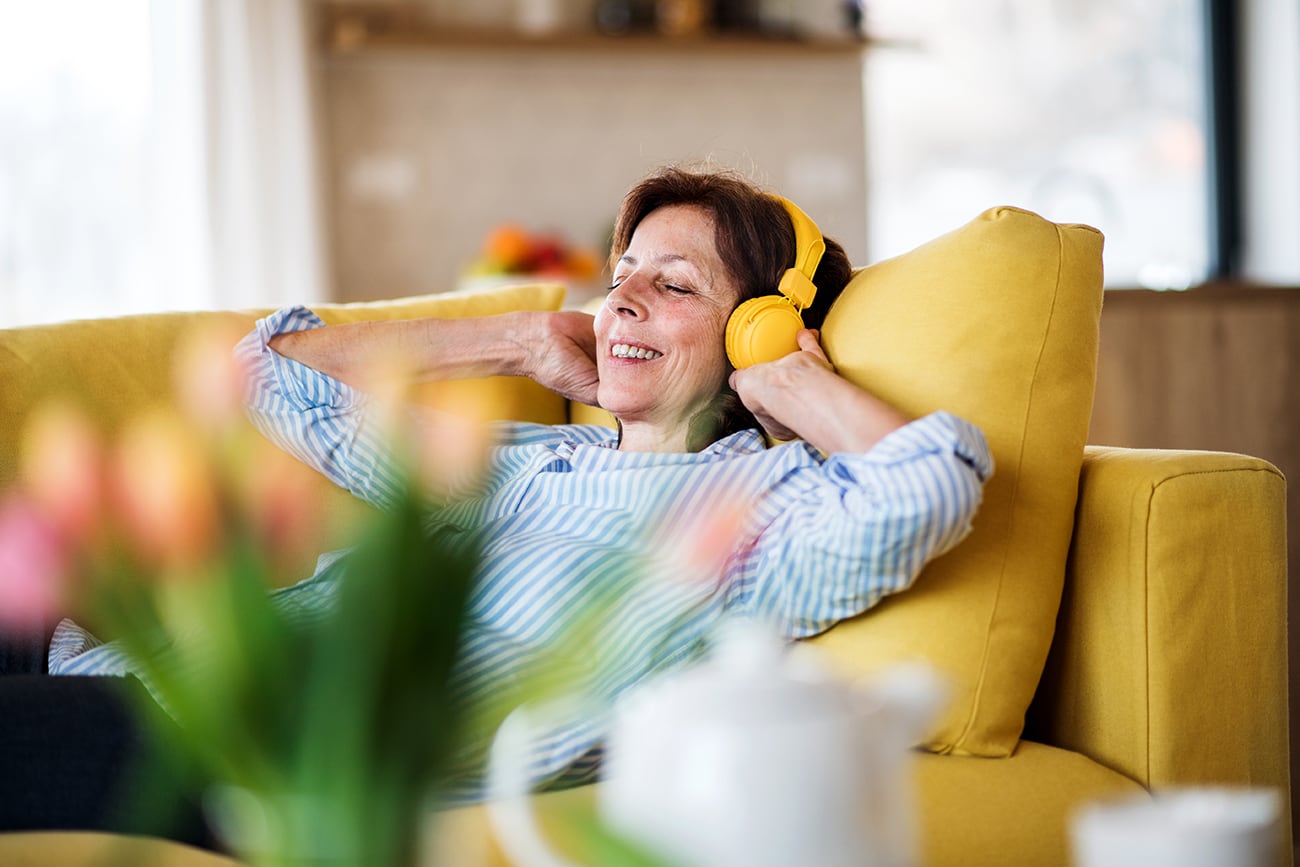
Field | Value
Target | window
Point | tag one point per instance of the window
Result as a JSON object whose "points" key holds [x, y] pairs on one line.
{"points": [[79, 234], [155, 156], [1089, 111]]}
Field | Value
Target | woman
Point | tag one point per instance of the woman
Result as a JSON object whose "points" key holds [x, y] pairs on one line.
{"points": [[817, 538], [846, 511]]}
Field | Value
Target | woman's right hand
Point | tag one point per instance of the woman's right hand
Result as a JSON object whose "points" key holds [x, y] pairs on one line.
{"points": [[560, 353]]}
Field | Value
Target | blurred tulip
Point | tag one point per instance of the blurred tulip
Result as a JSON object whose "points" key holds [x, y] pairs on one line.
{"points": [[34, 564], [62, 468], [165, 490], [705, 545], [281, 500], [209, 380], [449, 448]]}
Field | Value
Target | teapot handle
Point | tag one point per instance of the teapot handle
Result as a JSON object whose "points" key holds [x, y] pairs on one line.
{"points": [[508, 807]]}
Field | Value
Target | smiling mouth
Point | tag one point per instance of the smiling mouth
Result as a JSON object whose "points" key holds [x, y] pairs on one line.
{"points": [[624, 350]]}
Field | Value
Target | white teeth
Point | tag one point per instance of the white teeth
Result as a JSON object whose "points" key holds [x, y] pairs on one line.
{"points": [[622, 350]]}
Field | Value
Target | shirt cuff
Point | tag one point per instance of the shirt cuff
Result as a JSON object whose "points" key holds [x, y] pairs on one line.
{"points": [[939, 432], [303, 385]]}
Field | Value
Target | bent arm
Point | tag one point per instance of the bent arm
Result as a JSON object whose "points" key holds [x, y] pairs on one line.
{"points": [[555, 349], [848, 532], [320, 420]]}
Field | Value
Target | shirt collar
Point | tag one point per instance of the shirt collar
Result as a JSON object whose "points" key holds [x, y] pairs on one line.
{"points": [[745, 442]]}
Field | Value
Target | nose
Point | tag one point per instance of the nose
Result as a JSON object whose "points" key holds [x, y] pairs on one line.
{"points": [[627, 299]]}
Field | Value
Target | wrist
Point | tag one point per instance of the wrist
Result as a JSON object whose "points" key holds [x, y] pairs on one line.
{"points": [[523, 334]]}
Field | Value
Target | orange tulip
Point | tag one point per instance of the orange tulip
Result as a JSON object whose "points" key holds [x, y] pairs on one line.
{"points": [[165, 491], [62, 468], [209, 381]]}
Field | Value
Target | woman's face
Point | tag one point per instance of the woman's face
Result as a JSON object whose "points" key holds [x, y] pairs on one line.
{"points": [[660, 334]]}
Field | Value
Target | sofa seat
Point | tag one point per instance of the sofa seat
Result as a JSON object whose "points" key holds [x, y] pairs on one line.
{"points": [[972, 811], [93, 849], [976, 811]]}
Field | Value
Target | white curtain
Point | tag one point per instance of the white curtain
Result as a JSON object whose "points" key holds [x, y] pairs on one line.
{"points": [[262, 184], [156, 155]]}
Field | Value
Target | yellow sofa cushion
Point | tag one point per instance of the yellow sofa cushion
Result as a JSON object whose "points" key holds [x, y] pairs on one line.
{"points": [[970, 812], [996, 321]]}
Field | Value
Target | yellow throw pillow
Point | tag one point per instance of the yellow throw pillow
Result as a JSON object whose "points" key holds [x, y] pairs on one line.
{"points": [[997, 322]]}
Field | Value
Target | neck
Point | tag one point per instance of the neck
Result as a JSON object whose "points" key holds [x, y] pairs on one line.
{"points": [[646, 437]]}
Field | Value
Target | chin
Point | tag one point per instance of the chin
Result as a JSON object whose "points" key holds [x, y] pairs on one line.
{"points": [[618, 403]]}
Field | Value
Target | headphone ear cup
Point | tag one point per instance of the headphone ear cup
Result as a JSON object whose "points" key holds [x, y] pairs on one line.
{"points": [[762, 329]]}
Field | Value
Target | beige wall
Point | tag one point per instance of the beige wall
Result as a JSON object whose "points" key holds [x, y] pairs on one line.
{"points": [[427, 149]]}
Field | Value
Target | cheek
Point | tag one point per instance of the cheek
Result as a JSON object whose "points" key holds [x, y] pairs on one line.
{"points": [[708, 353], [713, 331], [603, 318]]}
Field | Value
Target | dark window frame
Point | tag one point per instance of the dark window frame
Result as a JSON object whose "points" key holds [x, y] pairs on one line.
{"points": [[1221, 23]]}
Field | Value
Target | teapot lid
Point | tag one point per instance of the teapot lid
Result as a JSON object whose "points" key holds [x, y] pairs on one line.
{"points": [[750, 677]]}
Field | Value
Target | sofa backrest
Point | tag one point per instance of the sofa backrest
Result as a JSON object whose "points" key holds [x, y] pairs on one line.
{"points": [[114, 369]]}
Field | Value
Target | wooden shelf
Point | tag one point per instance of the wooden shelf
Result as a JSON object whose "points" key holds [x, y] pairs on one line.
{"points": [[354, 29]]}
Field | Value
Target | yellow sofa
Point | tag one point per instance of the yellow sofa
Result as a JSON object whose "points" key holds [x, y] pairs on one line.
{"points": [[1153, 655]]}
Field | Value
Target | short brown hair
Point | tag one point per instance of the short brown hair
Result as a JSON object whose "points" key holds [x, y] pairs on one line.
{"points": [[754, 237]]}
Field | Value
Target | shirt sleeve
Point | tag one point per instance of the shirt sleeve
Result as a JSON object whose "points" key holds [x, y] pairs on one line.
{"points": [[846, 532], [321, 421]]}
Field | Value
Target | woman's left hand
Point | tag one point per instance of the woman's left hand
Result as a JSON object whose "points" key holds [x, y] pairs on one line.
{"points": [[801, 396], [765, 388]]}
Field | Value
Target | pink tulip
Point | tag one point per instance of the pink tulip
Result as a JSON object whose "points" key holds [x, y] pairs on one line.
{"points": [[712, 540], [34, 563], [282, 500]]}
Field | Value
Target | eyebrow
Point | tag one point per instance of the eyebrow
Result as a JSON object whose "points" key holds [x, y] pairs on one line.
{"points": [[661, 259]]}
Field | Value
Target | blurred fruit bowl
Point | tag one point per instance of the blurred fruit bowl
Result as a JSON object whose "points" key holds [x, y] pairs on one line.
{"points": [[509, 249]]}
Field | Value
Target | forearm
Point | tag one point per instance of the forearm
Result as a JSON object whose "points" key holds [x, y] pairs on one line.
{"points": [[422, 349], [826, 410], [863, 525]]}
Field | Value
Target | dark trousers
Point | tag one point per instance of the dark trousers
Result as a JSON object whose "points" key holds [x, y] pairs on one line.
{"points": [[76, 754]]}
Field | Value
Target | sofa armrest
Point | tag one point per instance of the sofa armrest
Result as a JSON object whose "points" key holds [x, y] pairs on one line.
{"points": [[1170, 657]]}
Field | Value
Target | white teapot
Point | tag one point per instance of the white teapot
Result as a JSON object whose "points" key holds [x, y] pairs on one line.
{"points": [[755, 757]]}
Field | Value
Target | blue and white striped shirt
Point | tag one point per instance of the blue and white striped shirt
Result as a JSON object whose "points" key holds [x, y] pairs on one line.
{"points": [[570, 518]]}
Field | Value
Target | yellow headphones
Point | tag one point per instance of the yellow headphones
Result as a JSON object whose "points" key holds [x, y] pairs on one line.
{"points": [[765, 328]]}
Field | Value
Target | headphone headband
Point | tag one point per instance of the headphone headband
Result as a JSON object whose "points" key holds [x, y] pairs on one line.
{"points": [[809, 246], [767, 327]]}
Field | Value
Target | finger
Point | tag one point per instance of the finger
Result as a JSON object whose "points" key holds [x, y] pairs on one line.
{"points": [[810, 341]]}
